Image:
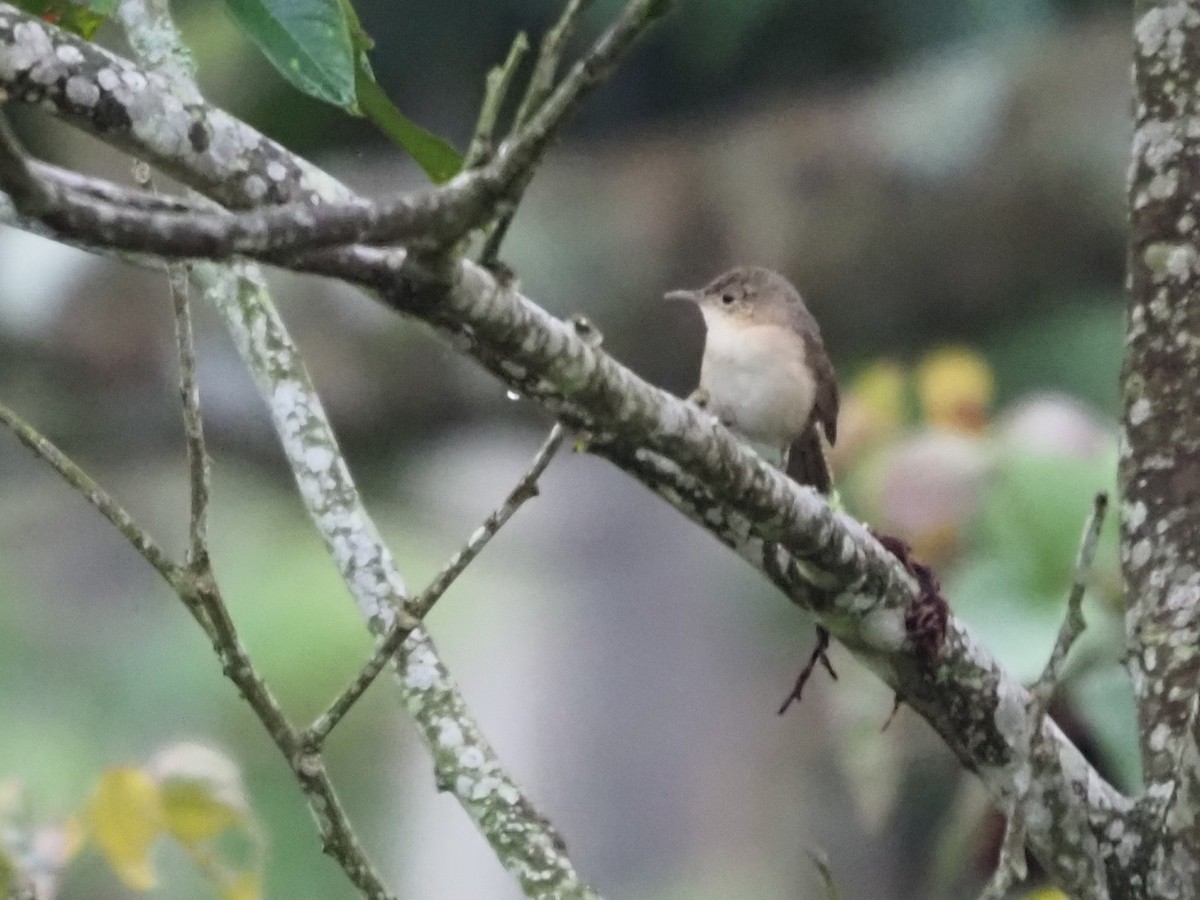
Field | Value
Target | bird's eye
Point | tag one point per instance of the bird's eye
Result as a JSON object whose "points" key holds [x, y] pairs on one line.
{"points": [[727, 299]]}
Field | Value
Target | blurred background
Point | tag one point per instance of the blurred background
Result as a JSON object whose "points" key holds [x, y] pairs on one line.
{"points": [[943, 181]]}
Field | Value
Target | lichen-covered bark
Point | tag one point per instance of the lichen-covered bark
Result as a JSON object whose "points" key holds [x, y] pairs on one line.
{"points": [[162, 118], [1089, 837], [1160, 447]]}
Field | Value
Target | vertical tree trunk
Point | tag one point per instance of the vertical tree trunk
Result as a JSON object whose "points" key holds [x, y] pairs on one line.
{"points": [[1160, 448]]}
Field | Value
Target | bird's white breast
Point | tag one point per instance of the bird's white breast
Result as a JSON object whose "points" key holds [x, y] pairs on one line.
{"points": [[757, 379]]}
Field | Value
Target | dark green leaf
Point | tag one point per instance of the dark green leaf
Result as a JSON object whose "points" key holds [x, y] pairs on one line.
{"points": [[435, 155], [308, 41]]}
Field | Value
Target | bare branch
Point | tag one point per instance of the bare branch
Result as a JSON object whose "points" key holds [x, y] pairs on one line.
{"points": [[1011, 868], [554, 44], [1073, 624], [201, 597], [178, 277], [439, 216], [499, 79], [550, 54], [820, 559], [464, 762], [525, 489], [338, 839]]}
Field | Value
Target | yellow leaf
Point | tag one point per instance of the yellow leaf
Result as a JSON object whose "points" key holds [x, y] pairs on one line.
{"points": [[1047, 894], [202, 791], [125, 817], [242, 886], [193, 814], [955, 385]]}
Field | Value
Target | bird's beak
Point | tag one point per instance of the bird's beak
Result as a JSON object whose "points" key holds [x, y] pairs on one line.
{"points": [[689, 296]]}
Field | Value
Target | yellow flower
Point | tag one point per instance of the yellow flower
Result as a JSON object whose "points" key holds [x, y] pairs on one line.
{"points": [[955, 386]]}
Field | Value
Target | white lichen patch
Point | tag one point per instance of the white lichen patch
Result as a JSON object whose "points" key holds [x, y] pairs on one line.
{"points": [[1139, 412], [108, 79], [1158, 737], [421, 670], [1135, 515], [82, 91], [1160, 32], [1010, 716], [254, 186], [471, 758], [449, 735], [884, 629], [1157, 144], [30, 43], [1163, 185], [68, 55], [1140, 554]]}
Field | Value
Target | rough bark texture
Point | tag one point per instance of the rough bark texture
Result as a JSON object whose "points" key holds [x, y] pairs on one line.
{"points": [[1160, 449], [1093, 841]]}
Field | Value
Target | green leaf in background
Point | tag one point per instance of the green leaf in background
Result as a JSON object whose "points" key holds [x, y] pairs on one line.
{"points": [[436, 156], [439, 160], [308, 41], [320, 47], [1034, 512], [81, 17]]}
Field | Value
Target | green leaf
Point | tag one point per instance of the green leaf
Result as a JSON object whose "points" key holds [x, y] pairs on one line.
{"points": [[80, 17], [435, 155], [308, 41]]}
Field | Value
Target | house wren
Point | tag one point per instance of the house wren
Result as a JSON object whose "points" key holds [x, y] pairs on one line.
{"points": [[765, 372]]}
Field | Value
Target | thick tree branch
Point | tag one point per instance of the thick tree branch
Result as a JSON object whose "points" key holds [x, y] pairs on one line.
{"points": [[438, 216], [822, 560], [1160, 439], [465, 764]]}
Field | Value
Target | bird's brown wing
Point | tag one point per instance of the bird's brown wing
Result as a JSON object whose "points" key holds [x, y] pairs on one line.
{"points": [[825, 404], [807, 462]]}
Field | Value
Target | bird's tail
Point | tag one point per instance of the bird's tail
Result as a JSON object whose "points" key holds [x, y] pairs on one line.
{"points": [[807, 462]]}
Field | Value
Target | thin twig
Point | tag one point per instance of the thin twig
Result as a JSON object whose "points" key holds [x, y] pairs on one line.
{"points": [[541, 82], [200, 595], [820, 859], [550, 53], [68, 181], [1011, 867], [499, 79], [337, 834], [139, 538], [524, 490], [178, 277], [179, 287]]}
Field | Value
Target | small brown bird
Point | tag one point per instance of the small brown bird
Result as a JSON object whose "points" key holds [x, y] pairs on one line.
{"points": [[765, 372]]}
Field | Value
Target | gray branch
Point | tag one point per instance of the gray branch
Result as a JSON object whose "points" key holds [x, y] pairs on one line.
{"points": [[1084, 832]]}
